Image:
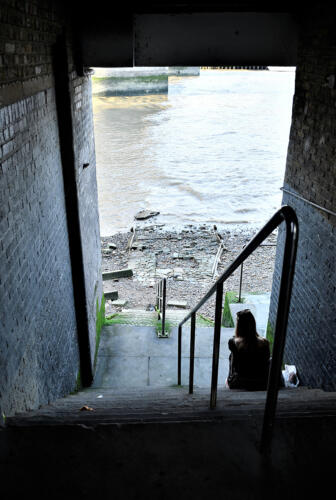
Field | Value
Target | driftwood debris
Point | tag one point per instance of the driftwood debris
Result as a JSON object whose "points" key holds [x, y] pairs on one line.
{"points": [[218, 235], [220, 250], [131, 239]]}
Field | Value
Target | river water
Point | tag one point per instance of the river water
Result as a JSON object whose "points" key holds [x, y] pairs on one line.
{"points": [[211, 151]]}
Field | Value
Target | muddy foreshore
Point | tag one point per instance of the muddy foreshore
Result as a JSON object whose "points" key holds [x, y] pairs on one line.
{"points": [[186, 258]]}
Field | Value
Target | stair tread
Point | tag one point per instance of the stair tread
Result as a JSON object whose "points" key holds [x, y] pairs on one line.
{"points": [[172, 404], [136, 316]]}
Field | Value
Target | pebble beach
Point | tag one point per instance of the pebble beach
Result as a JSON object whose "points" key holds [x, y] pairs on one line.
{"points": [[186, 257]]}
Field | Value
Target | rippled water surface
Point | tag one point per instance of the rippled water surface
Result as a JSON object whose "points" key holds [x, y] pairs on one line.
{"points": [[211, 151]]}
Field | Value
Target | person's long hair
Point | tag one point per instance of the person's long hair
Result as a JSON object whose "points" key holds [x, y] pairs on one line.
{"points": [[246, 326]]}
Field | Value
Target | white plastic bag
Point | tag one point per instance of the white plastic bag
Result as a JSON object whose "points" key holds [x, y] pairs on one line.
{"points": [[290, 376]]}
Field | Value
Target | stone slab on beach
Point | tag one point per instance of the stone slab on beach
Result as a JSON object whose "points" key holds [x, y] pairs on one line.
{"points": [[111, 294], [120, 273], [145, 214], [177, 303]]}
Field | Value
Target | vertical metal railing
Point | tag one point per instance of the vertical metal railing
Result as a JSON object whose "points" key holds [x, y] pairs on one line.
{"points": [[192, 353], [216, 345], [161, 293], [285, 291], [240, 281], [285, 214], [179, 356], [242, 271]]}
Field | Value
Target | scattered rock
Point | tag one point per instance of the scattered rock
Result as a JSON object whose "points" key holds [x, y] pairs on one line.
{"points": [[119, 302], [137, 246], [177, 271], [186, 263], [163, 273]]}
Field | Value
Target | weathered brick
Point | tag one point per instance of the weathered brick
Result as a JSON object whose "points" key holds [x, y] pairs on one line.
{"points": [[38, 343], [310, 173]]}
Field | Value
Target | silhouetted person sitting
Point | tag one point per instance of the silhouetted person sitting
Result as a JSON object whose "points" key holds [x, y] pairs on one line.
{"points": [[249, 357]]}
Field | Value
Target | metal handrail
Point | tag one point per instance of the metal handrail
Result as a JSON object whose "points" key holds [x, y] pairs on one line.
{"points": [[330, 212], [284, 214]]}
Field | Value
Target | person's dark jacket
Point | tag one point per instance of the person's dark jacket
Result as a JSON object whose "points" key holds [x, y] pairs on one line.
{"points": [[249, 364]]}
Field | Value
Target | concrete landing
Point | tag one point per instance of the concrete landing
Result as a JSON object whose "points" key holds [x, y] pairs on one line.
{"points": [[132, 356]]}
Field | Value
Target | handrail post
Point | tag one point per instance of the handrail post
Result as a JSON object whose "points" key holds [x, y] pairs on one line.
{"points": [[241, 279], [158, 299], [285, 214], [216, 345], [240, 282], [179, 354], [192, 353], [164, 286], [287, 275]]}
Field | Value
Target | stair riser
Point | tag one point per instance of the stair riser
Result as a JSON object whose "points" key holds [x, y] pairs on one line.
{"points": [[182, 460]]}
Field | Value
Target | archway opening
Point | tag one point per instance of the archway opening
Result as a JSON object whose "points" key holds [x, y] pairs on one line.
{"points": [[205, 158]]}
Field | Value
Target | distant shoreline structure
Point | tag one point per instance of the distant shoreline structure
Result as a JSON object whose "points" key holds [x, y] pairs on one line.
{"points": [[108, 82], [254, 68], [250, 68]]}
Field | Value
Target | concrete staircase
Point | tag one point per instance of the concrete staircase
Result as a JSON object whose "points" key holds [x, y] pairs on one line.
{"points": [[98, 406], [164, 443], [135, 434], [136, 378]]}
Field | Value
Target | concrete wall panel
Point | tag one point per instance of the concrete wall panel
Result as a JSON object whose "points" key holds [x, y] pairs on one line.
{"points": [[210, 39]]}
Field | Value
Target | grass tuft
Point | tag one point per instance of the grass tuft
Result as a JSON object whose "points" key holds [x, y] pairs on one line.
{"points": [[230, 298]]}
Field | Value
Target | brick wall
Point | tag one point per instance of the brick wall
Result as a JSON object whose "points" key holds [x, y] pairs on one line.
{"points": [[38, 338], [28, 29], [87, 195], [311, 174]]}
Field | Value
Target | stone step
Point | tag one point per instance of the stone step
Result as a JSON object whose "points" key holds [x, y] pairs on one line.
{"points": [[142, 317], [172, 404], [169, 444]]}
